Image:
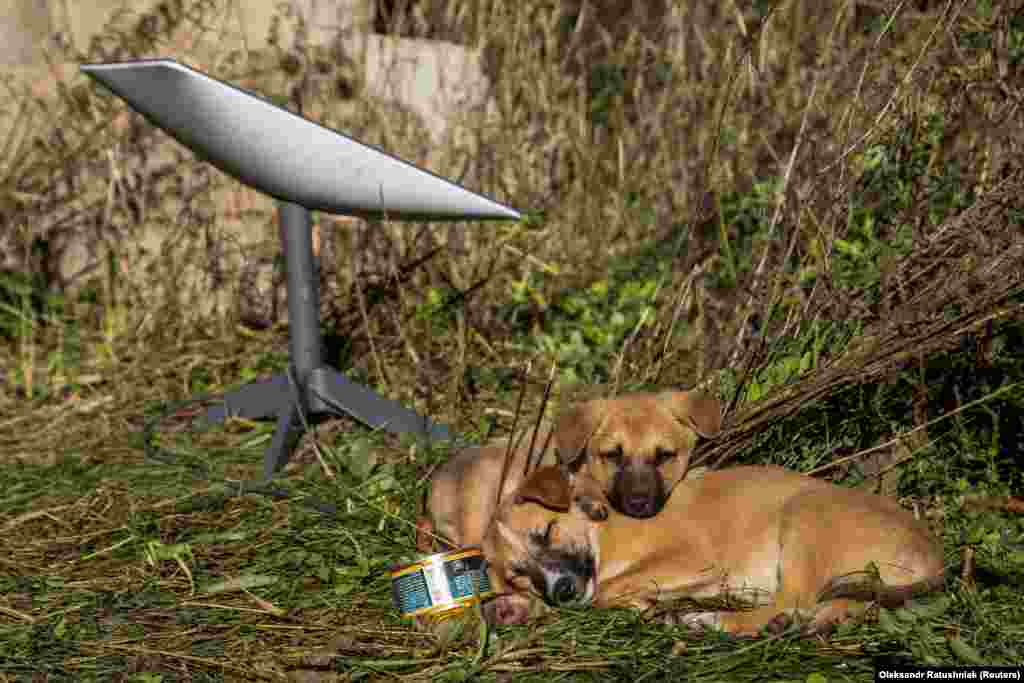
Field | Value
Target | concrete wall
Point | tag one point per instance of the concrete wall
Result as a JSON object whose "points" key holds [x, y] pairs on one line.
{"points": [[24, 27], [437, 82], [28, 27]]}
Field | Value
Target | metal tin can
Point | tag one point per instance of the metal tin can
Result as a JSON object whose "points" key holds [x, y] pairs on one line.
{"points": [[441, 585]]}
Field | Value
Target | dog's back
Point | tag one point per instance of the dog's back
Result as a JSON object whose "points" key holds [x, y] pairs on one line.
{"points": [[464, 491], [791, 545], [779, 528]]}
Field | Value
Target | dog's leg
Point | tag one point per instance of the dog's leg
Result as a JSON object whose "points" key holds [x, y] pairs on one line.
{"points": [[834, 612], [740, 624], [775, 618], [787, 607], [821, 620], [424, 535]]}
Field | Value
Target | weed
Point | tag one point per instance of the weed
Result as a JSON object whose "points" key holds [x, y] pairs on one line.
{"points": [[820, 203]]}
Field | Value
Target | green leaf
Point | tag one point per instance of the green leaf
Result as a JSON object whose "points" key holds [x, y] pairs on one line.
{"points": [[965, 652], [849, 248], [932, 609], [789, 367], [888, 623], [60, 628], [806, 362], [238, 583], [903, 615]]}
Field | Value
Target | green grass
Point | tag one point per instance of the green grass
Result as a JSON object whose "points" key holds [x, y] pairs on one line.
{"points": [[93, 585], [669, 242]]}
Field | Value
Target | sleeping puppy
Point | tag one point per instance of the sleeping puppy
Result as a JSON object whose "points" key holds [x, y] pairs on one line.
{"points": [[467, 489], [790, 546], [635, 447], [631, 450]]}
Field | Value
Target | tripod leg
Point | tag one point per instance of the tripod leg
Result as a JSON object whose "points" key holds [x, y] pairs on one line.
{"points": [[331, 391], [317, 388], [251, 401], [286, 433]]}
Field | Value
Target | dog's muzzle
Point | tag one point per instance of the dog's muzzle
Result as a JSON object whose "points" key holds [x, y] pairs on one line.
{"points": [[564, 591], [561, 588], [561, 576], [641, 507], [638, 492], [568, 590]]}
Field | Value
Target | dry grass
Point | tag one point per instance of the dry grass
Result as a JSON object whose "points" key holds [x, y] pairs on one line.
{"points": [[808, 207]]}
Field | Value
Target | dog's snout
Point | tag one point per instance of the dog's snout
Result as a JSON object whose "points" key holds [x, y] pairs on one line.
{"points": [[639, 506], [638, 492], [563, 591]]}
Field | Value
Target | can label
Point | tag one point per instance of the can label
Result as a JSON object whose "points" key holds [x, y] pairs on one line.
{"points": [[440, 583]]}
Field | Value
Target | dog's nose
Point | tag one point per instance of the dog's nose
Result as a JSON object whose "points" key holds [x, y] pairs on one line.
{"points": [[564, 591], [639, 506]]}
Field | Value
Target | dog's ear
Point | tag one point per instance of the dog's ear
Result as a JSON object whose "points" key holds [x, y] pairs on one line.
{"points": [[509, 537], [546, 486], [573, 430], [702, 413]]}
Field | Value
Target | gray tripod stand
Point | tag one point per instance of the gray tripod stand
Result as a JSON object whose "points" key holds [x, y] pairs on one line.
{"points": [[306, 167]]}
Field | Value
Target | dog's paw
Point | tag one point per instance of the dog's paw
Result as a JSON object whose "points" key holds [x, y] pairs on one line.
{"points": [[701, 621], [778, 624], [595, 510], [695, 621], [424, 535], [506, 610]]}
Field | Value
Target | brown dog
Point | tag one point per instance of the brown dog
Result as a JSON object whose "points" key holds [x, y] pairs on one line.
{"points": [[631, 450], [792, 546], [636, 447], [466, 490]]}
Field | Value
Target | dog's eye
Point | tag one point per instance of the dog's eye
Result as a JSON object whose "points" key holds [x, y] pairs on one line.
{"points": [[543, 538], [613, 456], [662, 456]]}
